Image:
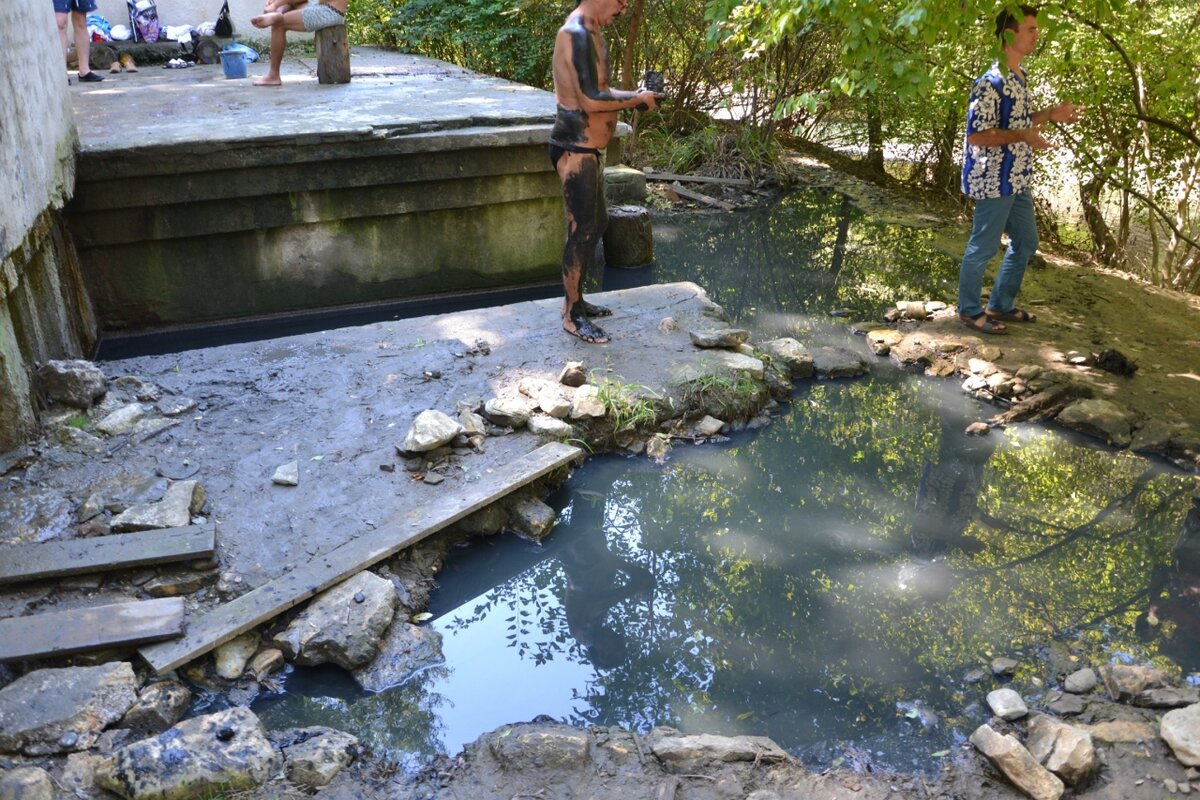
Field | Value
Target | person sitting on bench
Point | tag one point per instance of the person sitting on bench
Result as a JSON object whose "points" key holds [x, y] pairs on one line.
{"points": [[294, 15]]}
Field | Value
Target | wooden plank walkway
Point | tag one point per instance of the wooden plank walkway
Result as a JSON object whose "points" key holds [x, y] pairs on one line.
{"points": [[59, 633], [27, 562], [273, 598]]}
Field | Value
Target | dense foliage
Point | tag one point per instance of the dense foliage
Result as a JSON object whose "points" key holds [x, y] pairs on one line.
{"points": [[861, 73]]}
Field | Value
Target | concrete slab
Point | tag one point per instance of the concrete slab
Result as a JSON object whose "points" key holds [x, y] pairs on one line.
{"points": [[338, 403], [389, 94]]}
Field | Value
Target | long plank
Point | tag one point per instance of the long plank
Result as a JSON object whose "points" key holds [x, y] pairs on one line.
{"points": [[60, 633], [276, 596], [671, 176], [703, 198], [26, 562]]}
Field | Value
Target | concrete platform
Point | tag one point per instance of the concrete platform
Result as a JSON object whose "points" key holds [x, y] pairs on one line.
{"points": [[417, 177], [338, 403]]}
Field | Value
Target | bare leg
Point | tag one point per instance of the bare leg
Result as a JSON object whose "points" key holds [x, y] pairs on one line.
{"points": [[83, 42], [579, 173], [61, 20], [280, 18]]}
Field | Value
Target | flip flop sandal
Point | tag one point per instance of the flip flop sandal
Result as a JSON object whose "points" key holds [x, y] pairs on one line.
{"points": [[984, 325], [1016, 315]]}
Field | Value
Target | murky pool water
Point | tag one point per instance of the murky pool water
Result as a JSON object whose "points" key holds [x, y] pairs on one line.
{"points": [[832, 580]]}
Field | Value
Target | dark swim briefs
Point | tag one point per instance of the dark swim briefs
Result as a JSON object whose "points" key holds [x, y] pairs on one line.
{"points": [[558, 148]]}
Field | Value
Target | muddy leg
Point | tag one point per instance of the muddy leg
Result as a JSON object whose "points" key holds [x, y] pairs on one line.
{"points": [[579, 173]]}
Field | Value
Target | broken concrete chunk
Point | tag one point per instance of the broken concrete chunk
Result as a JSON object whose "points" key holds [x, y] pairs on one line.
{"points": [[573, 374], [722, 337]]}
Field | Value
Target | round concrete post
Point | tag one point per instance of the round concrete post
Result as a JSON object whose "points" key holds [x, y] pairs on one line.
{"points": [[629, 239]]}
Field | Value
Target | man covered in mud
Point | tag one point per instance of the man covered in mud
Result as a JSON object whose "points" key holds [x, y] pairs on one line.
{"points": [[586, 121]]}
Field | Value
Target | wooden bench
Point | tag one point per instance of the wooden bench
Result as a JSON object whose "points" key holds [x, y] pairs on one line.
{"points": [[333, 55]]}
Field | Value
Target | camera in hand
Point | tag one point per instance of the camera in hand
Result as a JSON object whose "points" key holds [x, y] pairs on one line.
{"points": [[654, 81]]}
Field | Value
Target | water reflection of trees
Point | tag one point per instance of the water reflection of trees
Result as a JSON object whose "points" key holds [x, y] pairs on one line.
{"points": [[806, 254], [811, 573]]}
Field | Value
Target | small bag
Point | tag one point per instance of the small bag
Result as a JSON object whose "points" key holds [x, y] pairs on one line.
{"points": [[224, 28]]}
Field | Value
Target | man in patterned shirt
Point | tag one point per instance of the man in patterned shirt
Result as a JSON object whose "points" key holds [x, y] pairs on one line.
{"points": [[1002, 134]]}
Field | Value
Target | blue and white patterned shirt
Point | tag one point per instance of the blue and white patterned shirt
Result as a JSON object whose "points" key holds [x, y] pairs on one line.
{"points": [[998, 101]]}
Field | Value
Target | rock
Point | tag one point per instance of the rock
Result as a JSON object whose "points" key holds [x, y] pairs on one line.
{"points": [[1081, 681], [835, 362], [737, 362], [203, 756], [405, 650], [508, 412], [1007, 754], [1114, 731], [287, 474], [978, 429], [629, 237], [317, 758], [587, 402], [122, 420], [719, 338], [1006, 704], [882, 341], [26, 783], [1003, 666], [532, 746], [159, 706], [1067, 705], [1167, 697], [140, 389], [554, 401], [177, 582], [658, 446], [61, 710], [1101, 418], [337, 629], [74, 383], [911, 310], [486, 521], [550, 428], [266, 662], [573, 374], [1066, 751], [793, 354], [670, 745], [709, 426], [531, 517], [232, 656], [1114, 361], [174, 510], [1123, 681], [1181, 730], [667, 325], [174, 406], [430, 430]]}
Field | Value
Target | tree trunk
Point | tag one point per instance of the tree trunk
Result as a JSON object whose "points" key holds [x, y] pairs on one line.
{"points": [[875, 137], [628, 81]]}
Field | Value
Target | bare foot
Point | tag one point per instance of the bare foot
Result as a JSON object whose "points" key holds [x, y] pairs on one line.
{"points": [[267, 80], [580, 327], [593, 310], [266, 20]]}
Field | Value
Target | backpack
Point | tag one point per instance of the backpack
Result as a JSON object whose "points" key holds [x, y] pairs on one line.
{"points": [[224, 27], [143, 20]]}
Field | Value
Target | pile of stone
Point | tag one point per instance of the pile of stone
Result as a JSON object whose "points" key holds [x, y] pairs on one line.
{"points": [[1042, 754], [1030, 392]]}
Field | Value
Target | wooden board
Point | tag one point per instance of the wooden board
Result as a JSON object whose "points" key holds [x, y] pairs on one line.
{"points": [[273, 598], [671, 176], [703, 198], [26, 562], [62, 632]]}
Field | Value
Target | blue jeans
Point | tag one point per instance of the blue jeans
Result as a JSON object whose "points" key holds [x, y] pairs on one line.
{"points": [[1014, 215]]}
